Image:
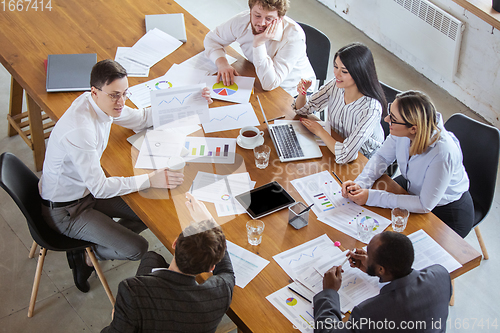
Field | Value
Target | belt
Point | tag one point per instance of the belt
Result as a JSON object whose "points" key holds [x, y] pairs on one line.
{"points": [[52, 204]]}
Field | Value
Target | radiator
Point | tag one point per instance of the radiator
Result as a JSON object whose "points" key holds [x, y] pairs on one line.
{"points": [[425, 31]]}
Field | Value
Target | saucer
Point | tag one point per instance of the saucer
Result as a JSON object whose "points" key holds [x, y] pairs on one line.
{"points": [[259, 142]]}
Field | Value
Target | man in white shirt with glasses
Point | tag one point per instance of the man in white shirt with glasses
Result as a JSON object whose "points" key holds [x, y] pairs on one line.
{"points": [[78, 199]]}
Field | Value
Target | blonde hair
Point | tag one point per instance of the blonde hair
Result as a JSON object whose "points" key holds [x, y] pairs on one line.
{"points": [[417, 110], [279, 5]]}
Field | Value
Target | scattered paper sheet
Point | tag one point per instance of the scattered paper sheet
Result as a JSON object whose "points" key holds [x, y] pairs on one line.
{"points": [[210, 150], [296, 260], [220, 189], [238, 92], [345, 219], [176, 76], [178, 103], [133, 68], [297, 310], [429, 252], [322, 190], [246, 265], [201, 62], [157, 148], [230, 117], [153, 46]]}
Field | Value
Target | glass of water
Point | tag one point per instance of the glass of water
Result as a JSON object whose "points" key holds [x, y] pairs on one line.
{"points": [[365, 229], [399, 219], [262, 153], [255, 228]]}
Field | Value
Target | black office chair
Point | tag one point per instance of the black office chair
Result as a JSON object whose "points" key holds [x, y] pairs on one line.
{"points": [[318, 51], [390, 96], [22, 185], [480, 145]]}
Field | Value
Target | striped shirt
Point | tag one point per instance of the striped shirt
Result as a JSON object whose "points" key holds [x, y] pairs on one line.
{"points": [[358, 122]]}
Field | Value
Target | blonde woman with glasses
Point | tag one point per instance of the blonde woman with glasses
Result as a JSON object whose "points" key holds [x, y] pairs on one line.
{"points": [[430, 160]]}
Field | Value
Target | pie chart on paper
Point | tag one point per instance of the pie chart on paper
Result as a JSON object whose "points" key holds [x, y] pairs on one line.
{"points": [[163, 85], [220, 89]]}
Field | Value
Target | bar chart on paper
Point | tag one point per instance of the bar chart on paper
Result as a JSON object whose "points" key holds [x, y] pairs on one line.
{"points": [[210, 150], [322, 190]]}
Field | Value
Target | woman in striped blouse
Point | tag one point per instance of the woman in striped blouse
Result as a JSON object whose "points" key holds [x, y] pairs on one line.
{"points": [[355, 102]]}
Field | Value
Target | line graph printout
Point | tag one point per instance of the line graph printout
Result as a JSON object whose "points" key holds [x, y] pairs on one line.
{"points": [[230, 117], [296, 260], [178, 103], [322, 190], [357, 286]]}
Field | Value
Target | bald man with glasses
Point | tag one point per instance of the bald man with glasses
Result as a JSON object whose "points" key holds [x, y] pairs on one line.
{"points": [[78, 200]]}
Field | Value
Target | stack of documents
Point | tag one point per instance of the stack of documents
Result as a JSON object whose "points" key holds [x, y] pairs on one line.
{"points": [[246, 265], [222, 190], [151, 48]]}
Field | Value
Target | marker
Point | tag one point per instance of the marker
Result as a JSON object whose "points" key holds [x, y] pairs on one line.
{"points": [[300, 294], [283, 116]]}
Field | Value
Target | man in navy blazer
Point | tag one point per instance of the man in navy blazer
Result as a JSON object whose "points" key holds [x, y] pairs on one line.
{"points": [[410, 300]]}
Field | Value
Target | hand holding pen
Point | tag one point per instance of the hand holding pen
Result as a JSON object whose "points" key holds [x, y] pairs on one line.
{"points": [[358, 258]]}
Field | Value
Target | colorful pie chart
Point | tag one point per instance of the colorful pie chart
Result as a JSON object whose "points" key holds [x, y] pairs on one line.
{"points": [[225, 197], [163, 85], [291, 301], [222, 90]]}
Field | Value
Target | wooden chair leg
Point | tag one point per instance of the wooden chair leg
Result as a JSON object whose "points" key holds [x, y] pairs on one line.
{"points": [[36, 283], [452, 299], [101, 275], [33, 250], [481, 243]]}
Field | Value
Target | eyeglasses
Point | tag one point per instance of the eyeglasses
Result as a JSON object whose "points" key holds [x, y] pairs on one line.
{"points": [[116, 96], [392, 119]]}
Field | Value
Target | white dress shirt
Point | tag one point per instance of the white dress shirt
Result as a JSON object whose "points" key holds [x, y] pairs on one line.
{"points": [[435, 177], [358, 122], [281, 61], [72, 167]]}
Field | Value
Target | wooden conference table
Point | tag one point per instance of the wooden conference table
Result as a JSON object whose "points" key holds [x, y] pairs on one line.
{"points": [[75, 27]]}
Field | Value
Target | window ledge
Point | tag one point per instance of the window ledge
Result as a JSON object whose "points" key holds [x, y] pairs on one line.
{"points": [[483, 10]]}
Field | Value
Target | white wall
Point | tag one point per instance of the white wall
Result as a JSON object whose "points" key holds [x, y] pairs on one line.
{"points": [[477, 81]]}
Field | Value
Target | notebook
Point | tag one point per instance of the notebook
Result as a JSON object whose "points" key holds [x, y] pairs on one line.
{"points": [[69, 72], [172, 24], [292, 141]]}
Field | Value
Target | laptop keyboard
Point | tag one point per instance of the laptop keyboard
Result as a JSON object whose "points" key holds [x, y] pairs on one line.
{"points": [[287, 140]]}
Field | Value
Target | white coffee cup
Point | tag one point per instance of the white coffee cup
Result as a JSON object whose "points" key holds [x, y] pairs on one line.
{"points": [[250, 135]]}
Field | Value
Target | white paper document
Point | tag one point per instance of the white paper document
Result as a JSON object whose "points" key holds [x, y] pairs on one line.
{"points": [[246, 265], [178, 103], [157, 148], [357, 286], [154, 46], [297, 310], [238, 92], [298, 259], [322, 190], [230, 117], [176, 76], [133, 68], [201, 62], [220, 189], [345, 219], [210, 150], [429, 252]]}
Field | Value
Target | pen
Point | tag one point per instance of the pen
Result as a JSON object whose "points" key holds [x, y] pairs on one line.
{"points": [[337, 177], [343, 262], [283, 116], [295, 291]]}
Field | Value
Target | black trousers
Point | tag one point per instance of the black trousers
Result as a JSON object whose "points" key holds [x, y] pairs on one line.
{"points": [[458, 215]]}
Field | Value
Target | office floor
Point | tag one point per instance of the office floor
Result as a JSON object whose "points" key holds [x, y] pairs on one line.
{"points": [[62, 308]]}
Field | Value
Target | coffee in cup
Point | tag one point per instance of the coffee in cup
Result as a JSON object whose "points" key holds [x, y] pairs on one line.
{"points": [[250, 135]]}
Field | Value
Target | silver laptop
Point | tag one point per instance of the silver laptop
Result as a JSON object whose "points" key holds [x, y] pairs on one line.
{"points": [[292, 141], [172, 24]]}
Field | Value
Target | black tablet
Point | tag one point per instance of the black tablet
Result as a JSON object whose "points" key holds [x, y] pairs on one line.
{"points": [[265, 200]]}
